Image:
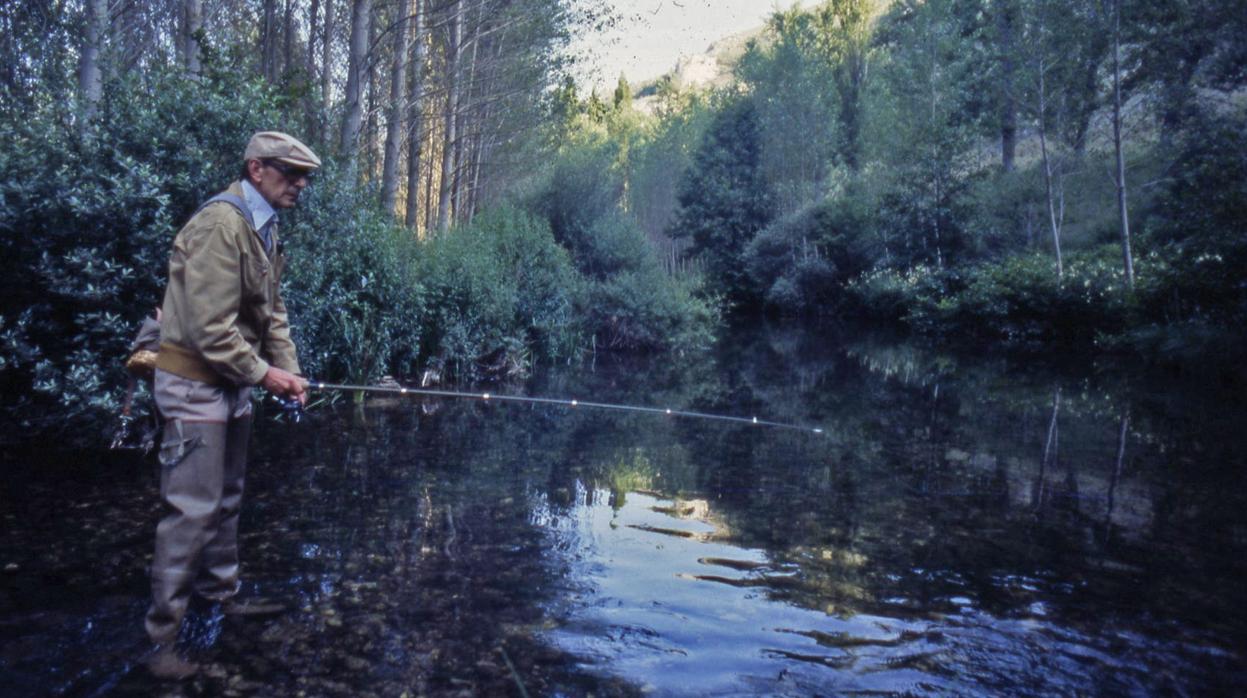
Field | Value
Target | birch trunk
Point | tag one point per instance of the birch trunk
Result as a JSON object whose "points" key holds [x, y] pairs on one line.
{"points": [[90, 76], [446, 185], [326, 65], [1054, 220], [353, 115], [394, 126], [415, 136]]}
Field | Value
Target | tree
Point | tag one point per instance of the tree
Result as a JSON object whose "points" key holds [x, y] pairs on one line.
{"points": [[353, 114], [921, 130], [192, 25], [398, 110], [326, 63], [416, 126], [847, 27], [623, 93], [1006, 21], [90, 75], [725, 199], [796, 112], [450, 121]]}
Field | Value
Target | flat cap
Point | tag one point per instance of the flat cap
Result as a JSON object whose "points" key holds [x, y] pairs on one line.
{"points": [[282, 147]]}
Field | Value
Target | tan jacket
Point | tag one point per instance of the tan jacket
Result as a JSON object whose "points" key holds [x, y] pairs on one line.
{"points": [[224, 321]]}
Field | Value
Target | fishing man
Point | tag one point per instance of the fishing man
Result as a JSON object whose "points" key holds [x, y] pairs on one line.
{"points": [[223, 330]]}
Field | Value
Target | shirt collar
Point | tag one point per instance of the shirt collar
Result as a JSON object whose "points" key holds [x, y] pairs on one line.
{"points": [[261, 211]]}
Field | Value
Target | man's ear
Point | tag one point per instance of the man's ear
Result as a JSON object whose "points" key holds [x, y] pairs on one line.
{"points": [[253, 171]]}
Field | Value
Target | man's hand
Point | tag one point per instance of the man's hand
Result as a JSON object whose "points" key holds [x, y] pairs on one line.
{"points": [[285, 384]]}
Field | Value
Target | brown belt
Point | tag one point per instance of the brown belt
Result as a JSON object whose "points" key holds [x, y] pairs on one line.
{"points": [[185, 363]]}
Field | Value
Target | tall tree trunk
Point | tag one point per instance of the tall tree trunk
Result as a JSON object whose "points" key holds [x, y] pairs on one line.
{"points": [[309, 65], [352, 118], [467, 132], [1054, 220], [287, 63], [415, 136], [394, 126], [1127, 258], [192, 23], [309, 62], [268, 41], [428, 189], [1006, 22], [326, 65], [90, 76], [446, 185]]}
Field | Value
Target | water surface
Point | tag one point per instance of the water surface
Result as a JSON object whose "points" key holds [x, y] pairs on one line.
{"points": [[964, 525]]}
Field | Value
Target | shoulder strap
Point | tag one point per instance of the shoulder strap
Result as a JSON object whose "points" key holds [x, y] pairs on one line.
{"points": [[233, 200]]}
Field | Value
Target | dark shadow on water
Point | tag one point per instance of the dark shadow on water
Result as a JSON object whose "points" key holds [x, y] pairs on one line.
{"points": [[965, 525]]}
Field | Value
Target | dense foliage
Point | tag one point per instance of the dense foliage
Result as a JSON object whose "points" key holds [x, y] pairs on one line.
{"points": [[951, 166], [88, 218], [86, 224]]}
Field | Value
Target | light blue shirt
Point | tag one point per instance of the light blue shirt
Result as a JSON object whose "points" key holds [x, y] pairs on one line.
{"points": [[262, 214]]}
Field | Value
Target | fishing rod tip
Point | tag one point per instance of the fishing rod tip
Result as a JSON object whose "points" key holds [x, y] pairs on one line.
{"points": [[574, 403], [818, 431], [485, 396]]}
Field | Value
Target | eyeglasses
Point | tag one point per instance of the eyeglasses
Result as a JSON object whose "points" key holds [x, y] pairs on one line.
{"points": [[291, 173]]}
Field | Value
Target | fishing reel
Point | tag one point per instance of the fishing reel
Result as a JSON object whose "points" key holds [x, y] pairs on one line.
{"points": [[291, 408]]}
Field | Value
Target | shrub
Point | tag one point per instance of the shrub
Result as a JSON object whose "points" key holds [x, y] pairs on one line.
{"points": [[893, 295], [800, 263], [355, 305], [494, 289], [85, 230]]}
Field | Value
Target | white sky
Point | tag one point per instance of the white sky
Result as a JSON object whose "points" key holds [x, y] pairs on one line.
{"points": [[654, 34]]}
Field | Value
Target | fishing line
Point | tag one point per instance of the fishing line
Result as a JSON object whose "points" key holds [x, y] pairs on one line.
{"points": [[317, 385]]}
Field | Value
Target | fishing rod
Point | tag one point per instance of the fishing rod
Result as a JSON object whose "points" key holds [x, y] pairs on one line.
{"points": [[387, 390]]}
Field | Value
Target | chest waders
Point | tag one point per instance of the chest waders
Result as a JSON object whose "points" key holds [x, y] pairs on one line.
{"points": [[203, 458]]}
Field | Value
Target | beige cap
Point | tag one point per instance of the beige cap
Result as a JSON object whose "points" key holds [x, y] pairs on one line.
{"points": [[281, 147]]}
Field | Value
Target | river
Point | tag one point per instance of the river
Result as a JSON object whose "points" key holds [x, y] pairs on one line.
{"points": [[962, 524]]}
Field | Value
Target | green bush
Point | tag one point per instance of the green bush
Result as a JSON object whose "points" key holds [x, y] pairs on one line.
{"points": [[1017, 299], [85, 228], [631, 302], [1199, 224], [799, 263], [893, 295], [1020, 298], [355, 305], [626, 300], [493, 290]]}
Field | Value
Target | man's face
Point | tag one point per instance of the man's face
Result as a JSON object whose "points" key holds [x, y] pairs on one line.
{"points": [[278, 182]]}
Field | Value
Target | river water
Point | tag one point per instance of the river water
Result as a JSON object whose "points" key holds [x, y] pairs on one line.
{"points": [[963, 525]]}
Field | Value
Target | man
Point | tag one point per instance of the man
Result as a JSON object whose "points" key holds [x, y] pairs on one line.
{"points": [[223, 330]]}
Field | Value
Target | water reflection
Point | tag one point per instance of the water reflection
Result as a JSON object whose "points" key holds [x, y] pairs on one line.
{"points": [[965, 525]]}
